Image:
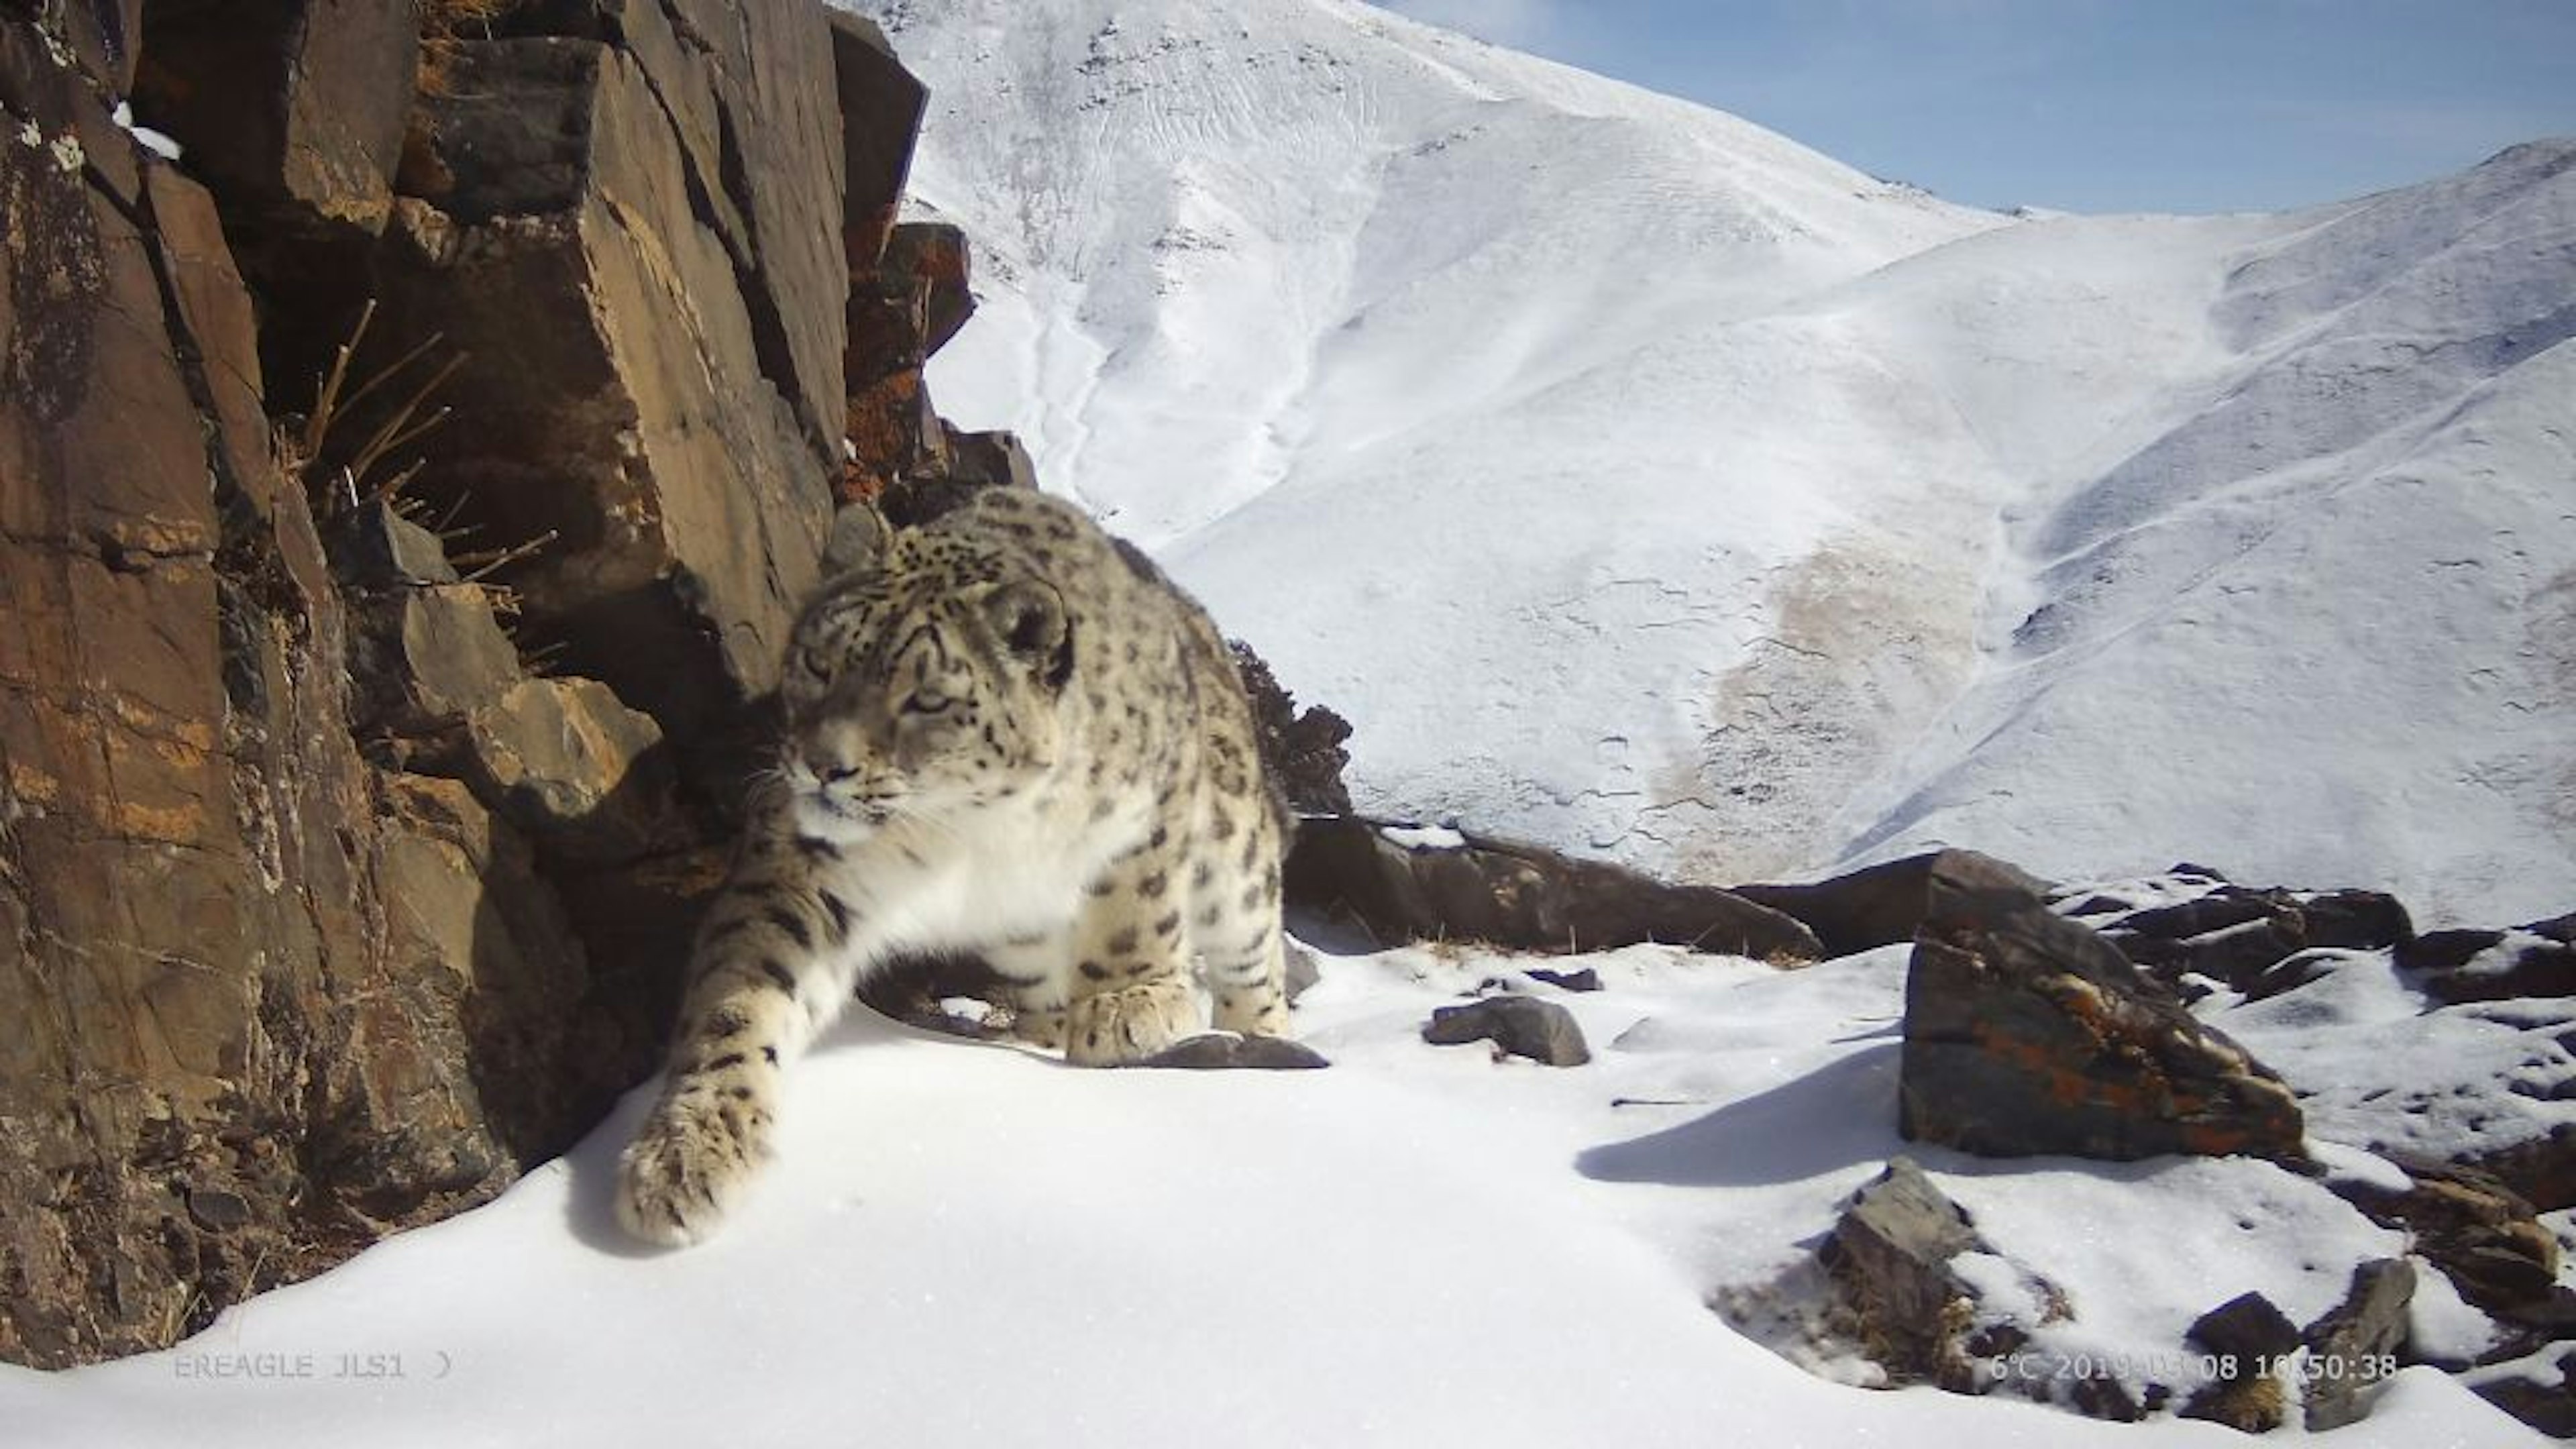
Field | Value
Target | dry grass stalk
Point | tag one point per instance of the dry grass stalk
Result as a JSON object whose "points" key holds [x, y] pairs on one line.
{"points": [[444, 26], [482, 563], [350, 478]]}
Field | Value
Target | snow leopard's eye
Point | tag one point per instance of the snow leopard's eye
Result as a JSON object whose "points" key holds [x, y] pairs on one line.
{"points": [[926, 703], [816, 664]]}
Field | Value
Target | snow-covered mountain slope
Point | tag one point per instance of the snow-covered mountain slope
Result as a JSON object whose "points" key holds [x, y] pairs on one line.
{"points": [[1640, 481], [2324, 618]]}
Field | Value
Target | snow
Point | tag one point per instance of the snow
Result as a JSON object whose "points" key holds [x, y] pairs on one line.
{"points": [[1638, 481], [2440, 1324], [2479, 1078], [151, 140], [964, 1244]]}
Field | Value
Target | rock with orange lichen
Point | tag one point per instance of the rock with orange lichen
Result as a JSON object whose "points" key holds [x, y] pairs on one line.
{"points": [[2027, 1034]]}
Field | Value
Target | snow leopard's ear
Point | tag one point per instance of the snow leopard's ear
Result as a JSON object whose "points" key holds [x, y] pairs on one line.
{"points": [[1029, 617], [858, 539]]}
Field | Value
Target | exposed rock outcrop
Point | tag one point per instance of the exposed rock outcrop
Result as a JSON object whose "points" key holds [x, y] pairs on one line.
{"points": [[2355, 1344], [239, 960], [1302, 749], [1392, 884], [2026, 1033], [1888, 1258], [294, 109], [322, 910], [2240, 936], [1877, 905], [2538, 959], [2482, 1234]]}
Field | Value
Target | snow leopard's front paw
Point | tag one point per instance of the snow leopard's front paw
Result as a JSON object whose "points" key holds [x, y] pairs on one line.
{"points": [[687, 1166], [1111, 1028]]}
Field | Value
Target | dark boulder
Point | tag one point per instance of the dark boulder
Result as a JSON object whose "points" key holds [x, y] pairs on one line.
{"points": [[929, 259], [2447, 950], [1521, 1026], [422, 657], [374, 548], [1875, 906], [990, 460], [585, 776], [2026, 1033], [2248, 1326], [1220, 1051], [2541, 1169], [2538, 959], [2238, 935], [2549, 1407], [1350, 873], [2243, 1335]]}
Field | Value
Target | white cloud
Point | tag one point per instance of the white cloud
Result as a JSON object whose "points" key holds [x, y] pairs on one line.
{"points": [[1523, 24]]}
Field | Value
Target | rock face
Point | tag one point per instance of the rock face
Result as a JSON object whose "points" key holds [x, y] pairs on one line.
{"points": [[2026, 1033], [1393, 886], [572, 197], [298, 105], [323, 911], [217, 1012]]}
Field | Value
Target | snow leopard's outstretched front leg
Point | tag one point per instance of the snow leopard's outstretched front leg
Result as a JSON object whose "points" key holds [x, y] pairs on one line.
{"points": [[773, 965]]}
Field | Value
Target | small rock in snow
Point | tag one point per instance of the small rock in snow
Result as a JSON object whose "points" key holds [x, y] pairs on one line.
{"points": [[1521, 1025]]}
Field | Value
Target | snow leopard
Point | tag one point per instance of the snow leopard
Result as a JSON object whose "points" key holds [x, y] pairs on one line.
{"points": [[1005, 733]]}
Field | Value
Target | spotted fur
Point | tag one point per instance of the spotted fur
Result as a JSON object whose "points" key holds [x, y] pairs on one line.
{"points": [[1008, 734]]}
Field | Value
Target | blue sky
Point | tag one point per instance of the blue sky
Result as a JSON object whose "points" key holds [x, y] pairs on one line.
{"points": [[2091, 105]]}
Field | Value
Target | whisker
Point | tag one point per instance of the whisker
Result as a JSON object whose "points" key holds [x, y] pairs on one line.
{"points": [[933, 823]]}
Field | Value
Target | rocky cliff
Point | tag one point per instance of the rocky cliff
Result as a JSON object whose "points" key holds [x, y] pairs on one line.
{"points": [[403, 497]]}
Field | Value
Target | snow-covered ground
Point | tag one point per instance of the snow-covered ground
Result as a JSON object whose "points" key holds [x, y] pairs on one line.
{"points": [[969, 1245], [1639, 481]]}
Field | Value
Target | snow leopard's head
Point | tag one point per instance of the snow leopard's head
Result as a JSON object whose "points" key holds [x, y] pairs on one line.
{"points": [[924, 682]]}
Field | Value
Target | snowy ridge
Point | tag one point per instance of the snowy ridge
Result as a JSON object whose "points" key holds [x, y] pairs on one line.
{"points": [[1640, 481], [2334, 598]]}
